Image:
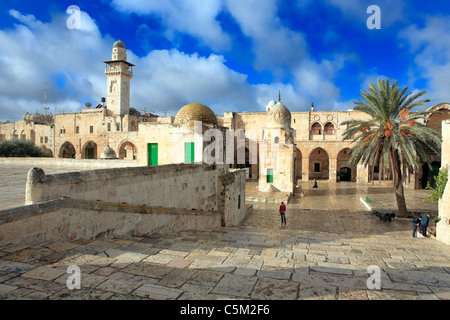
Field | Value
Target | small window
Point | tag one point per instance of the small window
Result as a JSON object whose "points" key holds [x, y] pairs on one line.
{"points": [[376, 169], [329, 129], [42, 139], [316, 129], [316, 167], [277, 140], [117, 126], [108, 125], [91, 129], [77, 129], [46, 139], [239, 201]]}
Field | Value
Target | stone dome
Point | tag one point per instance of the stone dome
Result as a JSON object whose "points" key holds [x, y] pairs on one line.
{"points": [[195, 112], [119, 44], [108, 153], [279, 116]]}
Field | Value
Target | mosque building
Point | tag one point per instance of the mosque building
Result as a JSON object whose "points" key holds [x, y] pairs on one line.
{"points": [[288, 148]]}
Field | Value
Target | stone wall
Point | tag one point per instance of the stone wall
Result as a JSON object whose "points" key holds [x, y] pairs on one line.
{"points": [[443, 227], [185, 186], [69, 220], [232, 187], [68, 163]]}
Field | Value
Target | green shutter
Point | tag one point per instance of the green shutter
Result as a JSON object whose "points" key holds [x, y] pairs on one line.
{"points": [[270, 175], [152, 154], [189, 152]]}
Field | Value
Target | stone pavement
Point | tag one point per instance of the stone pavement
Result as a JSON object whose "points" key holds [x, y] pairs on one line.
{"points": [[323, 252]]}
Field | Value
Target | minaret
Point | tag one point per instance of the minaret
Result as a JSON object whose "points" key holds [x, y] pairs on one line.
{"points": [[118, 75]]}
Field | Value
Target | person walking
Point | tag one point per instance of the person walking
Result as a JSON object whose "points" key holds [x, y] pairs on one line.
{"points": [[424, 223], [283, 213], [416, 225]]}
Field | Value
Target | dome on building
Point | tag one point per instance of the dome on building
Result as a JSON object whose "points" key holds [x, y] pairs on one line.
{"points": [[279, 116], [195, 112], [270, 104], [119, 44], [108, 153]]}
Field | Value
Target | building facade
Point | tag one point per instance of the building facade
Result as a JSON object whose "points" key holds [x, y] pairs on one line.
{"points": [[309, 145]]}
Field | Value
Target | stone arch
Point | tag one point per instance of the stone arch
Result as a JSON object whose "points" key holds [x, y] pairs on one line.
{"points": [[67, 150], [345, 171], [329, 128], [319, 164], [89, 150], [47, 152], [127, 150], [316, 129], [23, 135]]}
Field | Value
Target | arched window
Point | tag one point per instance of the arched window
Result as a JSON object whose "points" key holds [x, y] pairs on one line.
{"points": [[316, 129], [277, 140], [329, 128]]}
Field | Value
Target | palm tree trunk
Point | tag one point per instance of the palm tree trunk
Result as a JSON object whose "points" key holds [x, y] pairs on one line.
{"points": [[398, 183]]}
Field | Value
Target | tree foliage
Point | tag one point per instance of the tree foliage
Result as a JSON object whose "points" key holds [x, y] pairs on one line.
{"points": [[439, 187], [20, 148], [393, 136]]}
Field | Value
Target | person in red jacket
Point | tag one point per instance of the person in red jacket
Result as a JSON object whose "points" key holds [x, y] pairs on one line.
{"points": [[283, 213]]}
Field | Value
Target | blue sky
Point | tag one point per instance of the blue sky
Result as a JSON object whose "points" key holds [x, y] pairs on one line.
{"points": [[232, 55]]}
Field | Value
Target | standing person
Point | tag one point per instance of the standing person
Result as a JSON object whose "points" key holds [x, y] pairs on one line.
{"points": [[416, 225], [283, 213], [424, 223]]}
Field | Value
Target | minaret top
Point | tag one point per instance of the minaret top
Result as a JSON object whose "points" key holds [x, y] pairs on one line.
{"points": [[119, 44], [119, 51]]}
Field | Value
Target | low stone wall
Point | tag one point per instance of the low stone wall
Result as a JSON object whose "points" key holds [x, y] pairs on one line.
{"points": [[70, 219], [234, 197], [187, 186], [69, 163]]}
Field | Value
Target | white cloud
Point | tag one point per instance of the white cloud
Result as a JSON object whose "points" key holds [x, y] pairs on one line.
{"points": [[391, 11], [192, 17], [33, 52], [430, 46]]}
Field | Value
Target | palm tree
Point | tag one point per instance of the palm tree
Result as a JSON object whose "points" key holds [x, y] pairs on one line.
{"points": [[392, 137]]}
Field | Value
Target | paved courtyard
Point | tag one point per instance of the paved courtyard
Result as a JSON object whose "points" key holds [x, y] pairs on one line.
{"points": [[323, 252]]}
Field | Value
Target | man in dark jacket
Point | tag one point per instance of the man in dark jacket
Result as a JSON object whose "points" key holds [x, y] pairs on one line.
{"points": [[416, 225], [424, 223]]}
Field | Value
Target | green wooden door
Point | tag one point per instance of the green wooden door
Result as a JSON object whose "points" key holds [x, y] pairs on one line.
{"points": [[270, 175], [189, 152], [152, 154]]}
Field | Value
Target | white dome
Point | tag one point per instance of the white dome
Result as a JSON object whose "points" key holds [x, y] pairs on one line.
{"points": [[270, 105], [279, 116]]}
